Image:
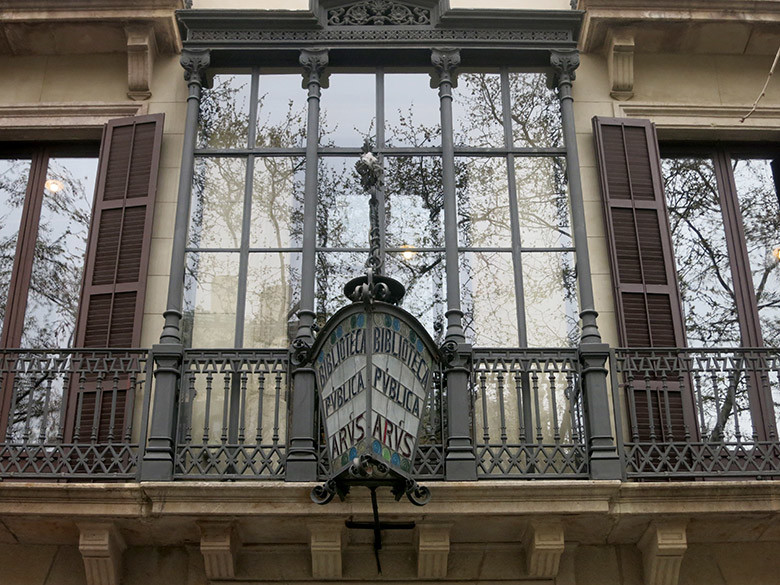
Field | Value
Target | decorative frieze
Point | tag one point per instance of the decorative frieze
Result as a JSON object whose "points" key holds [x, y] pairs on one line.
{"points": [[433, 550], [219, 545], [326, 541], [101, 546], [378, 13], [663, 545], [544, 545]]}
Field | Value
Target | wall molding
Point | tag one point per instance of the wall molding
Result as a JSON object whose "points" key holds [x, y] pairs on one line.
{"points": [[63, 121]]}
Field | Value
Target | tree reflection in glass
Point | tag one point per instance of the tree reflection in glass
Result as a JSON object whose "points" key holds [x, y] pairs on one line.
{"points": [[760, 210], [701, 254], [13, 186]]}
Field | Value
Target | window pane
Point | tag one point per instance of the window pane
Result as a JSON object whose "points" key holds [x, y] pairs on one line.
{"points": [[281, 112], [348, 109], [550, 293], [536, 112], [218, 203], [273, 296], [224, 112], [55, 285], [760, 210], [342, 210], [543, 202], [483, 202], [478, 116], [13, 186], [210, 289], [700, 251], [277, 203], [487, 290], [422, 273], [334, 270], [412, 115], [413, 192]]}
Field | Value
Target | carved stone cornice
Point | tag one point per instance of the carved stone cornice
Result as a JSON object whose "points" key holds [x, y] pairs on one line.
{"points": [[564, 63], [378, 13], [195, 63], [48, 27], [314, 62]]}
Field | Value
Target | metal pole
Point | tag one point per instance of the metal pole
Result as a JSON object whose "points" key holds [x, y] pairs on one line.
{"points": [[302, 452], [602, 451], [460, 462], [158, 459]]}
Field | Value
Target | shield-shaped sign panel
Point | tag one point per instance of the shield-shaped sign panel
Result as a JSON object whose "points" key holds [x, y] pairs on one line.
{"points": [[375, 365]]}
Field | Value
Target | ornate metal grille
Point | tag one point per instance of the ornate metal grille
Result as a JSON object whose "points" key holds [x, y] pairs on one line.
{"points": [[378, 13]]}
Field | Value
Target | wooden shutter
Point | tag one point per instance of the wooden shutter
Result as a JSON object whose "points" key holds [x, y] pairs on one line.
{"points": [[644, 278], [114, 284]]}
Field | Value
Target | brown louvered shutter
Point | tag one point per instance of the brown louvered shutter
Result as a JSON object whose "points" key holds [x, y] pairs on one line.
{"points": [[114, 285], [645, 284]]}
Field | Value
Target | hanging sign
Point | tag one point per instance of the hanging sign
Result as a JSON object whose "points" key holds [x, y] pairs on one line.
{"points": [[374, 366]]}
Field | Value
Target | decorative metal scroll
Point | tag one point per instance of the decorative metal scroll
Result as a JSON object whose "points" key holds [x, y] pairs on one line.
{"points": [[378, 13]]}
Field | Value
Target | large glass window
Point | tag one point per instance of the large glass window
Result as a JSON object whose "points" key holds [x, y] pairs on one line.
{"points": [[46, 195], [724, 215], [515, 249]]}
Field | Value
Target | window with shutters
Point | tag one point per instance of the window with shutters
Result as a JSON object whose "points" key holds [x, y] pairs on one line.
{"points": [[75, 233]]}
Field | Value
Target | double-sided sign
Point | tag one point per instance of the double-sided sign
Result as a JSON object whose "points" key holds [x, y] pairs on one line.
{"points": [[374, 366]]}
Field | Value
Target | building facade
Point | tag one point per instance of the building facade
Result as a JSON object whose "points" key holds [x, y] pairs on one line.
{"points": [[581, 200]]}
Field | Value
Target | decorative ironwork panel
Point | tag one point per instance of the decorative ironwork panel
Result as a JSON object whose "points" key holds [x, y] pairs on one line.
{"points": [[70, 413], [528, 415], [233, 414], [698, 412], [378, 13]]}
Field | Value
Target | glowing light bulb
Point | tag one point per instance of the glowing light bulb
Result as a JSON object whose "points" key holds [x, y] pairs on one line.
{"points": [[54, 185], [408, 254], [776, 253]]}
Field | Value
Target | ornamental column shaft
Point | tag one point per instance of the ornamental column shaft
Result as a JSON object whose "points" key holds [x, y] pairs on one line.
{"points": [[603, 455], [158, 460], [460, 462], [302, 453]]}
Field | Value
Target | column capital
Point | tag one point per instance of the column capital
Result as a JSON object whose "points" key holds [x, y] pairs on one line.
{"points": [[195, 63], [445, 60], [314, 62], [564, 63]]}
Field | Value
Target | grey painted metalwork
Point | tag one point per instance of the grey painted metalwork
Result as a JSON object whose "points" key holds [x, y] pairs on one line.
{"points": [[378, 12], [158, 459], [460, 462], [302, 455], [602, 450], [720, 439], [72, 413]]}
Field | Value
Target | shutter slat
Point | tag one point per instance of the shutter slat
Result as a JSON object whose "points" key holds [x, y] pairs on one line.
{"points": [[645, 283], [114, 286]]}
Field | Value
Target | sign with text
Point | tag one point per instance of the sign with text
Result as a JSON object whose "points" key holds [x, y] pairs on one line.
{"points": [[374, 367]]}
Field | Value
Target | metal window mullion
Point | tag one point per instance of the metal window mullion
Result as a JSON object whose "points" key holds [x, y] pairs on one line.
{"points": [[514, 221], [246, 223], [380, 144]]}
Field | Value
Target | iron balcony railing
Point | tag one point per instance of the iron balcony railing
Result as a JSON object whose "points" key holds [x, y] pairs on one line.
{"points": [[83, 414], [73, 413], [688, 413]]}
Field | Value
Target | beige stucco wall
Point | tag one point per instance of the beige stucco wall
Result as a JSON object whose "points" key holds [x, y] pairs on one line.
{"points": [[718, 90], [77, 80]]}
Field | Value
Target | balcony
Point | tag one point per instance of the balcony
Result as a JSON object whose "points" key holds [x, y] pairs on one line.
{"points": [[84, 415]]}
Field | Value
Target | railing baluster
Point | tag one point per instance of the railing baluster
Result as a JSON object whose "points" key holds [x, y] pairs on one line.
{"points": [[554, 405], [260, 396], [537, 412]]}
